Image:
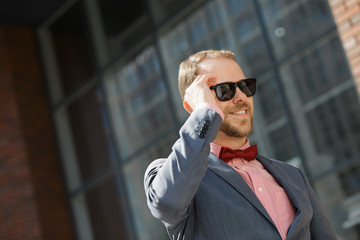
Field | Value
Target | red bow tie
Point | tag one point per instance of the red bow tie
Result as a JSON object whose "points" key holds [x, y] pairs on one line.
{"points": [[227, 154]]}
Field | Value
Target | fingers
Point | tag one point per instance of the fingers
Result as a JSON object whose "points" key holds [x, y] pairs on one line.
{"points": [[208, 79], [198, 92]]}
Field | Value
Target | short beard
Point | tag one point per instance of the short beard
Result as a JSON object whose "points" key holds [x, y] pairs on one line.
{"points": [[243, 128], [237, 132]]}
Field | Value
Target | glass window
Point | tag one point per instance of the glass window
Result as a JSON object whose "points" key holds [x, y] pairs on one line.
{"points": [[146, 226], [269, 99], [141, 113], [106, 206], [197, 30], [215, 16], [222, 41], [124, 23], [270, 9], [320, 70], [244, 27], [253, 56], [237, 6], [283, 146], [73, 48], [335, 126], [90, 130], [162, 10], [292, 24], [339, 194]]}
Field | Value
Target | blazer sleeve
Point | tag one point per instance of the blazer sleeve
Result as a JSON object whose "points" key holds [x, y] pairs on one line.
{"points": [[320, 227], [171, 183]]}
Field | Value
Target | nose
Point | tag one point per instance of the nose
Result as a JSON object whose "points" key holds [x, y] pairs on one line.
{"points": [[239, 96]]}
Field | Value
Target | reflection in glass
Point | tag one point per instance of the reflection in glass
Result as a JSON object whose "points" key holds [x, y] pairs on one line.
{"points": [[140, 108], [302, 21], [320, 70], [339, 194], [146, 226], [335, 126]]}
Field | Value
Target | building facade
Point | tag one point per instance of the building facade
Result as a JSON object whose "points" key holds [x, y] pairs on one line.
{"points": [[107, 104]]}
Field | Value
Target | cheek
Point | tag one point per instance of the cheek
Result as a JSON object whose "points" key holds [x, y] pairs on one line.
{"points": [[252, 106], [225, 108]]}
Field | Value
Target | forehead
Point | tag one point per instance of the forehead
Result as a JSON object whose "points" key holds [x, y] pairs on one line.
{"points": [[224, 69]]}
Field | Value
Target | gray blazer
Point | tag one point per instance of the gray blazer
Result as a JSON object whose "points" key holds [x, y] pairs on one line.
{"points": [[198, 196]]}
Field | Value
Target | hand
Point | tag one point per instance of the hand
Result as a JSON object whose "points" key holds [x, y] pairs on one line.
{"points": [[198, 92]]}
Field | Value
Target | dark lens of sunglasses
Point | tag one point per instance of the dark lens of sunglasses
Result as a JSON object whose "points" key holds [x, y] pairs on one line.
{"points": [[248, 86], [225, 91]]}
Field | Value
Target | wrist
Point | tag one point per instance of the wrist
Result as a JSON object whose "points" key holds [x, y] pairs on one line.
{"points": [[212, 107]]}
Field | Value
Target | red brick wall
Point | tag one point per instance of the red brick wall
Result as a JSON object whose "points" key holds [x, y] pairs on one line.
{"points": [[33, 201], [347, 17]]}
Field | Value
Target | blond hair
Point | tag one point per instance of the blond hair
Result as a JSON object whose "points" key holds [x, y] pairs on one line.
{"points": [[188, 69]]}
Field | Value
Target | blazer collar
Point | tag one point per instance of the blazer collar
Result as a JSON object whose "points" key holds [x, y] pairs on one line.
{"points": [[282, 177], [227, 173]]}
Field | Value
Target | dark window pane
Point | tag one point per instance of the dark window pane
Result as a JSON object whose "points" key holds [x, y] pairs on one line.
{"points": [[335, 126], [106, 205], [73, 49], [339, 194], [253, 55], [282, 143], [125, 23], [90, 134], [270, 100], [320, 70]]}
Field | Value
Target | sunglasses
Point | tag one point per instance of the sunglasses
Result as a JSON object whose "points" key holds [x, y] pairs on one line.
{"points": [[227, 90]]}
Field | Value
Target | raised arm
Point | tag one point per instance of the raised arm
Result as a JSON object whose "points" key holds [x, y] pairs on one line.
{"points": [[171, 183]]}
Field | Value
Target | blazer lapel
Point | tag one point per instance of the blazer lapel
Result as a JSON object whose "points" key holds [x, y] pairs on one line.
{"points": [[236, 181], [282, 177]]}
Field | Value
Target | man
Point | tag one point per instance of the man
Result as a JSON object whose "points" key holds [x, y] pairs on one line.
{"points": [[205, 190]]}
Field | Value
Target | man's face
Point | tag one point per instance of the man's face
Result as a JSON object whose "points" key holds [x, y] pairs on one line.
{"points": [[239, 111]]}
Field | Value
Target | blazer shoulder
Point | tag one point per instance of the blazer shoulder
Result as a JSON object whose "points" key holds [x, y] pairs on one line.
{"points": [[276, 162], [276, 166]]}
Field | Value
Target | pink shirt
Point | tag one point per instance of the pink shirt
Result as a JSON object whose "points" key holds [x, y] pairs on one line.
{"points": [[269, 192]]}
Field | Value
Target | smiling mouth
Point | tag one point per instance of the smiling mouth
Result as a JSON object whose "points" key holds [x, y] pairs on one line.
{"points": [[241, 112]]}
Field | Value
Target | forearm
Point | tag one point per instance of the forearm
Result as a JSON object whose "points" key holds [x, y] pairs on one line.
{"points": [[172, 183]]}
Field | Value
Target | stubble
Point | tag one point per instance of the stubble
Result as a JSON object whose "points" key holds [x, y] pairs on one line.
{"points": [[240, 129]]}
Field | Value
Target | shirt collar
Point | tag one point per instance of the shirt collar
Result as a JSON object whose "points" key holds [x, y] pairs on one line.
{"points": [[215, 148]]}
